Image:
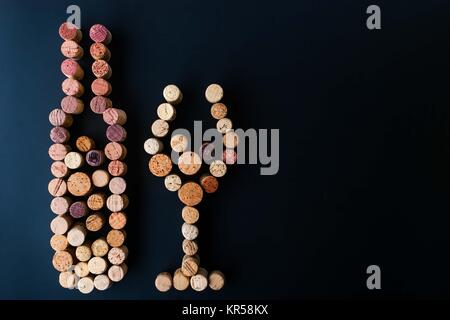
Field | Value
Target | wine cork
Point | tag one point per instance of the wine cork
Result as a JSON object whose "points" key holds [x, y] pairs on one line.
{"points": [[76, 235], [160, 165], [99, 247], [172, 182], [59, 169], [216, 280], [163, 281], [101, 69], [78, 209], [190, 247], [60, 224], [117, 168], [116, 273], [85, 144], [117, 255], [214, 93], [190, 194], [58, 151], [100, 51], [100, 178], [229, 156], [73, 160], [115, 151], [99, 33], [116, 238], [57, 187], [224, 125], [180, 281], [219, 111], [114, 116], [101, 87], [179, 143], [96, 201], [218, 168], [59, 118], [60, 205], [97, 265], [95, 158], [95, 222], [79, 184], [160, 128], [230, 140], [195, 256], [189, 231], [86, 285], [117, 185], [189, 163], [190, 215], [172, 94], [116, 133], [69, 31], [99, 104], [153, 146], [71, 49], [81, 269], [72, 280], [166, 112], [72, 105], [199, 282], [117, 220], [102, 282], [83, 252], [62, 260], [209, 183], [72, 87], [63, 276], [59, 242], [71, 69], [59, 135], [117, 202]]}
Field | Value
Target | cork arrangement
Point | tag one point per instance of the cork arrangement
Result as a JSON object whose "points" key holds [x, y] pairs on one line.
{"points": [[88, 185], [190, 190]]}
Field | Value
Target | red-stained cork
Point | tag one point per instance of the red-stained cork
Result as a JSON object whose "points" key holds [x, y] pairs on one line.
{"points": [[101, 69], [72, 105], [116, 133], [100, 51], [69, 31], [99, 33], [71, 69], [99, 104], [59, 135], [101, 87]]}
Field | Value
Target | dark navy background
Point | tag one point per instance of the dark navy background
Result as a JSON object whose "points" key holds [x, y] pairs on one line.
{"points": [[363, 116]]}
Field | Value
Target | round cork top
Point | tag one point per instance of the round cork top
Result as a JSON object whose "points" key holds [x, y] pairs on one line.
{"points": [[115, 238], [96, 201], [94, 222], [99, 104], [179, 143], [60, 205], [78, 209], [230, 140], [95, 158], [163, 281], [218, 168], [229, 156], [57, 187], [59, 169], [72, 105], [172, 182], [71, 49], [62, 261], [83, 252], [72, 87], [190, 247], [199, 282], [81, 269], [166, 112], [117, 220], [172, 94], [117, 185], [70, 68], [58, 151], [214, 93], [101, 69], [79, 184], [97, 265], [189, 267], [190, 194], [180, 281], [59, 242], [116, 202], [117, 168], [224, 125], [101, 87], [102, 282], [58, 117], [219, 111], [60, 224], [189, 231], [100, 178], [116, 273], [190, 214], [152, 146], [85, 144], [115, 151], [69, 31], [160, 165], [99, 33], [216, 280], [59, 135], [117, 255], [86, 285], [189, 163], [116, 133], [73, 160], [160, 128], [99, 247], [209, 183], [99, 51]]}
